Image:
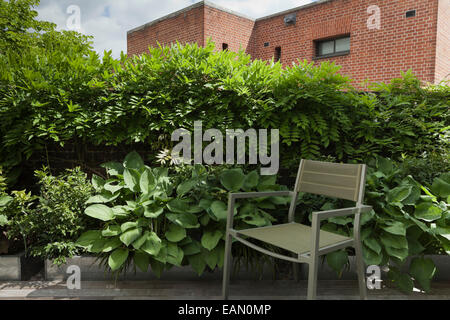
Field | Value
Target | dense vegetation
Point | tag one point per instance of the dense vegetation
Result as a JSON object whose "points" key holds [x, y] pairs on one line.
{"points": [[54, 89]]}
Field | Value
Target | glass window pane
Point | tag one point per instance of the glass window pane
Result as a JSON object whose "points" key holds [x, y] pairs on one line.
{"points": [[326, 47], [343, 44]]}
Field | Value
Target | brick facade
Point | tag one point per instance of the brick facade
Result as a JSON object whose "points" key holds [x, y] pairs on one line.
{"points": [[420, 43]]}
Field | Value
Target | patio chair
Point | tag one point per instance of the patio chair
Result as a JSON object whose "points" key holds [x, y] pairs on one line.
{"points": [[307, 243]]}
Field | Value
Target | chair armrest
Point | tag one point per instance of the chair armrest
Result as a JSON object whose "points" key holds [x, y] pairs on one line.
{"points": [[321, 215], [247, 195]]}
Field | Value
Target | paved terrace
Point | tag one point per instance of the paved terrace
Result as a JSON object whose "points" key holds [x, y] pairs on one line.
{"points": [[205, 289]]}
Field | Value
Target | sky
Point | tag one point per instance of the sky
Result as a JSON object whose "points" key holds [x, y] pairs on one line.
{"points": [[109, 20]]}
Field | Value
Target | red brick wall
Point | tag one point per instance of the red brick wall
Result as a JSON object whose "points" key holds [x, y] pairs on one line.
{"points": [[443, 42], [186, 27], [376, 55], [224, 27]]}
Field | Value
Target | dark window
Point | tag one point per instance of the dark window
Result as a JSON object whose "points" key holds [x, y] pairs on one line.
{"points": [[266, 44], [224, 46], [333, 47], [277, 56], [410, 13]]}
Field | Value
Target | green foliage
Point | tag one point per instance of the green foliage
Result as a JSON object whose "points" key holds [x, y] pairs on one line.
{"points": [[155, 218], [408, 220], [50, 223]]}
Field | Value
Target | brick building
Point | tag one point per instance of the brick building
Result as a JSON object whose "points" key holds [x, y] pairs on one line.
{"points": [[370, 39]]}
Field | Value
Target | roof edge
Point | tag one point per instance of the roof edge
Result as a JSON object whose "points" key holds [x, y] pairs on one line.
{"points": [[305, 6], [186, 9]]}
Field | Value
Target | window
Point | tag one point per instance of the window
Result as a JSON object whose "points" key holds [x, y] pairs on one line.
{"points": [[277, 56], [410, 13], [332, 47], [224, 46]]}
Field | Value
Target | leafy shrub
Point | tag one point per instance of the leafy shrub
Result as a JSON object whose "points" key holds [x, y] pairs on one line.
{"points": [[49, 223], [152, 218], [407, 220]]}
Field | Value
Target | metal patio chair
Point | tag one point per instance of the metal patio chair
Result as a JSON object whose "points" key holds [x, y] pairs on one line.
{"points": [[307, 244]]}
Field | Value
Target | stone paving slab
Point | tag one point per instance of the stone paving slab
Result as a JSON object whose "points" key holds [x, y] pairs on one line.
{"points": [[206, 290]]}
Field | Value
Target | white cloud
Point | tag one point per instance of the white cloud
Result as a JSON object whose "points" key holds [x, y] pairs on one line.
{"points": [[109, 20]]}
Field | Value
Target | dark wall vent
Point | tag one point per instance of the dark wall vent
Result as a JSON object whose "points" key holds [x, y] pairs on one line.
{"points": [[410, 13], [290, 19]]}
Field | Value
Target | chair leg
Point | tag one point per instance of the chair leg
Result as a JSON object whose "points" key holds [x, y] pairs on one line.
{"points": [[360, 271], [312, 279], [226, 267]]}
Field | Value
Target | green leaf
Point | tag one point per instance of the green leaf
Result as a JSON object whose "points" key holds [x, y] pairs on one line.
{"points": [[153, 211], [113, 168], [5, 200], [111, 244], [117, 258], [133, 161], [142, 261], [174, 254], [129, 236], [192, 248], [394, 241], [197, 263], [370, 257], [97, 182], [147, 181], [88, 237], [423, 270], [175, 233], [251, 181], [100, 211], [185, 220], [337, 260], [427, 211], [153, 244], [397, 195], [111, 231], [232, 179], [186, 186], [395, 227], [385, 165], [219, 210], [212, 258], [137, 244], [128, 225], [157, 267], [400, 254], [441, 187], [211, 238], [402, 280], [131, 178], [178, 206], [104, 197], [373, 244], [3, 220]]}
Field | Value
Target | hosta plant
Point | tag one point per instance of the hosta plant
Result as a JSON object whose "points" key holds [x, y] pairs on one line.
{"points": [[408, 220], [157, 219]]}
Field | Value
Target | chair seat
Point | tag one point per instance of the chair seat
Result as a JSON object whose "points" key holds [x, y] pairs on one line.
{"points": [[294, 237]]}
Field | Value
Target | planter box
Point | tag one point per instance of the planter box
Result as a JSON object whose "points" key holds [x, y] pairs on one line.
{"points": [[326, 273], [91, 271], [19, 267]]}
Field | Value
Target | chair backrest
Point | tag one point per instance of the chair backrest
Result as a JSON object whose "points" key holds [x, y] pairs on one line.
{"points": [[344, 181]]}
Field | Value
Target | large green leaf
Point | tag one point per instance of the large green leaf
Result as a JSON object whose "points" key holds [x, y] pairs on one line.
{"points": [[111, 231], [192, 248], [185, 220], [4, 200], [129, 236], [88, 237], [395, 227], [178, 205], [337, 260], [370, 257], [441, 187], [3, 220], [111, 244], [402, 280], [251, 181], [186, 186], [131, 179], [175, 233], [100, 211], [117, 258], [174, 254], [147, 182], [427, 211], [211, 238], [400, 254], [133, 161], [232, 179], [423, 270], [394, 241], [219, 210], [113, 168], [373, 244], [398, 194], [142, 261], [152, 245], [197, 262]]}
